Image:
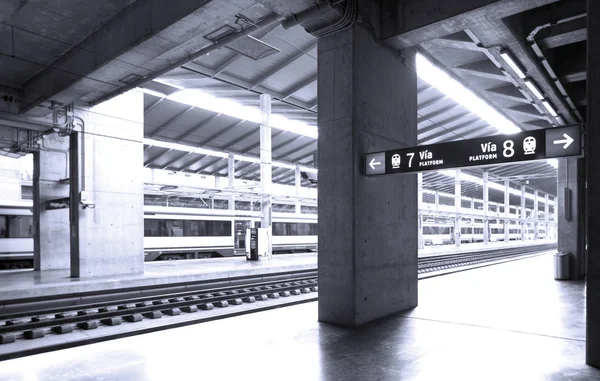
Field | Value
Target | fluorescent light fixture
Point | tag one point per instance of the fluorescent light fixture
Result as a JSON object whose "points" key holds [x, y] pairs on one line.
{"points": [[151, 92], [201, 99], [552, 162], [436, 77], [549, 108], [224, 155], [560, 120], [491, 185], [513, 65], [534, 89]]}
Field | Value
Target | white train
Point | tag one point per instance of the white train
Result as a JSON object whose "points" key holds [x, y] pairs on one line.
{"points": [[171, 233]]}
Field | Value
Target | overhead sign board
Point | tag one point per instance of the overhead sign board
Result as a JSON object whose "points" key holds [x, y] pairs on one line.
{"points": [[499, 149]]}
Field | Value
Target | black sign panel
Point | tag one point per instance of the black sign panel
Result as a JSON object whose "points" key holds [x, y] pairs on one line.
{"points": [[499, 149]]}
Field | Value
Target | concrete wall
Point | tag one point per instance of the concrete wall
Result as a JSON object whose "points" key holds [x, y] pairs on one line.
{"points": [[110, 236], [50, 165], [367, 226]]}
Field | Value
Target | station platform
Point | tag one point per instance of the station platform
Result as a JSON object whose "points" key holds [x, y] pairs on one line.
{"points": [[25, 284], [429, 251], [511, 321]]}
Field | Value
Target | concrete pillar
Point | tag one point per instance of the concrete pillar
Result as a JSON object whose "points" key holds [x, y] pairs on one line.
{"points": [[486, 200], [298, 182], [571, 214], [437, 201], [265, 165], [420, 206], [231, 179], [367, 250], [523, 215], [457, 205], [51, 242], [506, 211], [593, 185], [536, 234], [106, 189]]}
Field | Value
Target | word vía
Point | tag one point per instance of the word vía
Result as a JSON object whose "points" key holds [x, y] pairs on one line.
{"points": [[489, 152]]}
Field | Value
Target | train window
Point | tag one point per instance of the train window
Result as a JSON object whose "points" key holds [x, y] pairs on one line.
{"points": [[294, 228], [186, 228], [16, 227]]}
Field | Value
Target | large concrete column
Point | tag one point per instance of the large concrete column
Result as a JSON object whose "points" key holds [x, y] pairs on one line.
{"points": [[51, 242], [571, 214], [593, 185], [506, 211], [486, 200], [367, 237], [457, 205], [265, 166], [231, 180], [106, 160]]}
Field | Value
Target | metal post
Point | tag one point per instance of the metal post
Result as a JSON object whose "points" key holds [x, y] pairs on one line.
{"points": [[486, 222], [265, 165], [546, 216], [536, 234], [298, 182], [420, 206], [231, 178], [457, 205], [506, 210], [437, 201], [523, 215]]}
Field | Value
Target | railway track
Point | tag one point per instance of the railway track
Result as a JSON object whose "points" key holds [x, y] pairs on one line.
{"points": [[122, 315]]}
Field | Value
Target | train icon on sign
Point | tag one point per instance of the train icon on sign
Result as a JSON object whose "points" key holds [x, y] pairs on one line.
{"points": [[529, 145], [396, 161]]}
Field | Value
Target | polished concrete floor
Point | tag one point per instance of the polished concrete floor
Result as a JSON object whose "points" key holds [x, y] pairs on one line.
{"points": [[506, 322]]}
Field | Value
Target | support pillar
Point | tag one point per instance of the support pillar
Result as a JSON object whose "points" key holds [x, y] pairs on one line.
{"points": [[106, 189], [523, 215], [571, 214], [51, 242], [457, 205], [265, 166], [546, 216], [420, 206], [298, 183], [536, 234], [437, 201], [367, 250], [486, 200], [506, 211], [231, 179], [593, 186]]}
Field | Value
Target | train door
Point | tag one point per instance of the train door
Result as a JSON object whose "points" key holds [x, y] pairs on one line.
{"points": [[239, 237]]}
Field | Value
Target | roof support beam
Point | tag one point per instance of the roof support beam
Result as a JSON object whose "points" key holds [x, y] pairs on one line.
{"points": [[136, 24], [196, 128], [283, 65], [170, 122]]}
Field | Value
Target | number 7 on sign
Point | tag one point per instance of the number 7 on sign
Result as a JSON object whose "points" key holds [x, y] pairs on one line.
{"points": [[410, 155]]}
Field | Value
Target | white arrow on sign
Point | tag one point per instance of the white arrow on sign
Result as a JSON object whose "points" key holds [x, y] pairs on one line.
{"points": [[373, 163], [566, 141]]}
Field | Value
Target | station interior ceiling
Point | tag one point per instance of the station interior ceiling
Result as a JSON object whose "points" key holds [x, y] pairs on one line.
{"points": [[548, 43]]}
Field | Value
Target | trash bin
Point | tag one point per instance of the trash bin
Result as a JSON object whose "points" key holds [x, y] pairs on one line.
{"points": [[561, 265]]}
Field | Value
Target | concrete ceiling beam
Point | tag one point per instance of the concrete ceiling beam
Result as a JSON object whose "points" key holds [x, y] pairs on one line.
{"points": [[138, 23]]}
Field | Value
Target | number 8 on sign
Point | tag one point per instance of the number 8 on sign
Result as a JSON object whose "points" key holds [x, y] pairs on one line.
{"points": [[509, 148]]}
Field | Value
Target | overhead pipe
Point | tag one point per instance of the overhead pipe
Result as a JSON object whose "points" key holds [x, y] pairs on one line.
{"points": [[538, 51]]}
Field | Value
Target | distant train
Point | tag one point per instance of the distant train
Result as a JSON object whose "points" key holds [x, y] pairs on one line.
{"points": [[441, 232], [172, 233]]}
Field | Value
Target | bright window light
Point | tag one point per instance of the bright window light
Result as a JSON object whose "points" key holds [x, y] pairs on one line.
{"points": [[224, 155], [552, 162], [225, 106], [534, 89], [549, 108], [513, 65], [491, 185], [436, 77]]}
